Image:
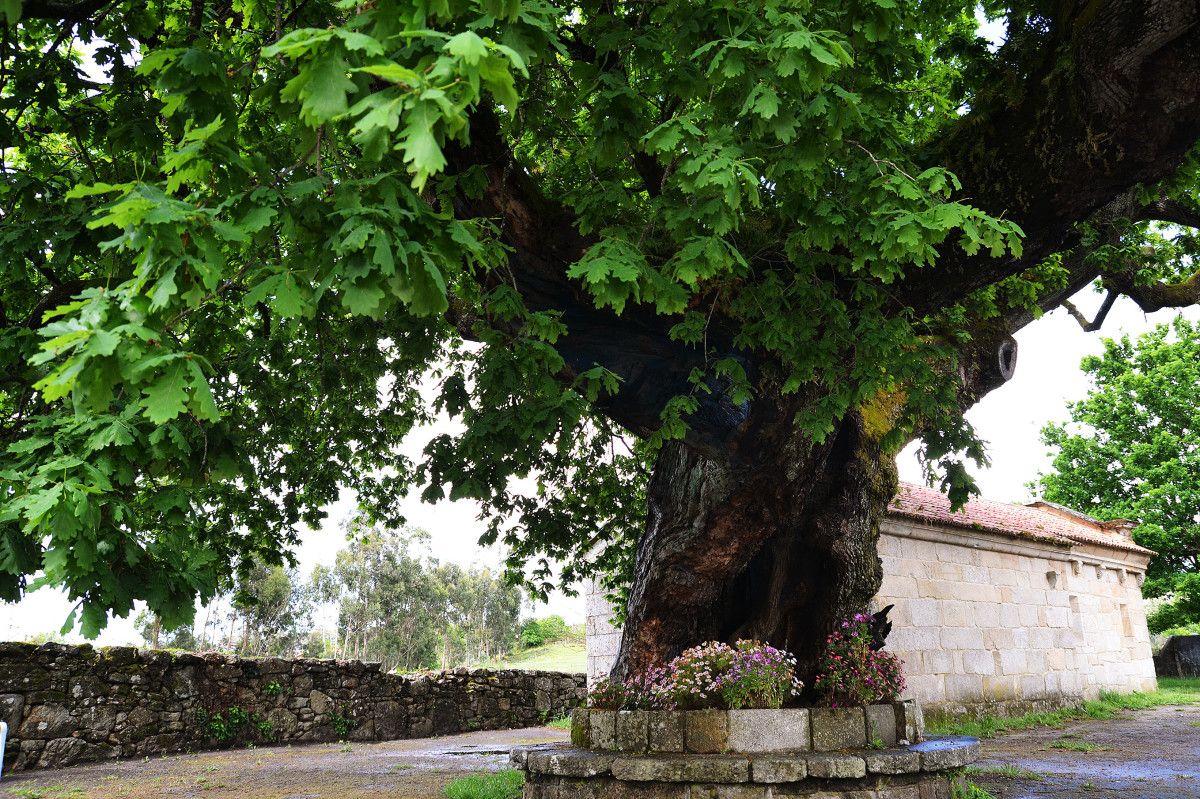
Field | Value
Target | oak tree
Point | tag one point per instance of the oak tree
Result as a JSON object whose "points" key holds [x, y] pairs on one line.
{"points": [[697, 269], [1132, 451]]}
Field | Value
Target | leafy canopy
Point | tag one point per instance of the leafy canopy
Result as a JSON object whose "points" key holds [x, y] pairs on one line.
{"points": [[238, 264], [1132, 448]]}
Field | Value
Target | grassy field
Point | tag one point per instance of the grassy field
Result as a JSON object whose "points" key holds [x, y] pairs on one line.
{"points": [[1171, 691], [569, 655]]}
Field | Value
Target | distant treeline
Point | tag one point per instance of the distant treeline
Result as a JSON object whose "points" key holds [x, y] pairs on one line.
{"points": [[393, 603]]}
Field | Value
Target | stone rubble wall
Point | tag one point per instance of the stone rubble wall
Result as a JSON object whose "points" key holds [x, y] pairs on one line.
{"points": [[1180, 657], [989, 624], [71, 704]]}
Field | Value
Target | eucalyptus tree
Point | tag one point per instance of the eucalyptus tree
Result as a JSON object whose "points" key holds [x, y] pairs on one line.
{"points": [[697, 269]]}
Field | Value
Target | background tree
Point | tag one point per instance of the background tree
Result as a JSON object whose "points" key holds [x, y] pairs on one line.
{"points": [[766, 244], [397, 606], [271, 611], [482, 615], [150, 627], [1132, 451], [268, 612]]}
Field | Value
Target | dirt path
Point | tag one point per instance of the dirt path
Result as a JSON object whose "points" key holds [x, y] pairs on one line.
{"points": [[1145, 754], [416, 769]]}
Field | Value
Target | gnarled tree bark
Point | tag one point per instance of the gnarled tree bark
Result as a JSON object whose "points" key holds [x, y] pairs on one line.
{"points": [[755, 530]]}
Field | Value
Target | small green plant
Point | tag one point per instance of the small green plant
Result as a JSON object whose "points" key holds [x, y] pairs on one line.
{"points": [[273, 688], [342, 724], [965, 789], [1006, 770], [402, 766], [560, 723], [346, 747], [876, 743], [1073, 745], [501, 785], [233, 724], [265, 729]]}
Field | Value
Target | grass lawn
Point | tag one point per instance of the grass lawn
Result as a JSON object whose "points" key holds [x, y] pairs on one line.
{"points": [[502, 785], [1171, 691], [569, 655]]}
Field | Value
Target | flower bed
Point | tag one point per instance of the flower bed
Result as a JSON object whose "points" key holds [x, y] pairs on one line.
{"points": [[748, 674]]}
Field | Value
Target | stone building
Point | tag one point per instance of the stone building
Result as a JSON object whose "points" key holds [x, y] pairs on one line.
{"points": [[999, 607]]}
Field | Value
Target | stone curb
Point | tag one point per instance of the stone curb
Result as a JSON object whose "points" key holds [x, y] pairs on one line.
{"points": [[563, 760], [748, 731]]}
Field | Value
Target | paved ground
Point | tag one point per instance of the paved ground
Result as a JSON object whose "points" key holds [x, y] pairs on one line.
{"points": [[1146, 754], [393, 770]]}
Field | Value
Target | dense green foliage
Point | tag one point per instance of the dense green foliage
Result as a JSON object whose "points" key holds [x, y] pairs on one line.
{"points": [[1181, 614], [539, 632], [409, 612], [242, 265], [1132, 451]]}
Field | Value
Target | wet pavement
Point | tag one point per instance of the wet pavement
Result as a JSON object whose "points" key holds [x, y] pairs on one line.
{"points": [[1144, 754], [417, 769]]}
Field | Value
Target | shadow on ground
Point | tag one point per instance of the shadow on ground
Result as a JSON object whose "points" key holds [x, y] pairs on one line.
{"points": [[1145, 754], [416, 769]]}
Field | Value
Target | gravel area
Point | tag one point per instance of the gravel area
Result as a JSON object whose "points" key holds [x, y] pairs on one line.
{"points": [[1144, 754], [416, 769]]}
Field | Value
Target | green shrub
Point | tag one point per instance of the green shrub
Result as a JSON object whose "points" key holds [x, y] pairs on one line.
{"points": [[1182, 612], [501, 785], [539, 632]]}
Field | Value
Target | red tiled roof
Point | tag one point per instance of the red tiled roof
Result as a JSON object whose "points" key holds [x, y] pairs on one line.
{"points": [[1042, 521]]}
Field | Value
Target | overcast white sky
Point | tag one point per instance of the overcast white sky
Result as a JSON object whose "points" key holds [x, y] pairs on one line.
{"points": [[1010, 418]]}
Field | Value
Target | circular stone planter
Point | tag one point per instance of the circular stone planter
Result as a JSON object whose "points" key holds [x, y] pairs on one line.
{"points": [[851, 753], [747, 731]]}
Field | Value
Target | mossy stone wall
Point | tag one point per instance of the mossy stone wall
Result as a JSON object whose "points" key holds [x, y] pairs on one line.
{"points": [[71, 704]]}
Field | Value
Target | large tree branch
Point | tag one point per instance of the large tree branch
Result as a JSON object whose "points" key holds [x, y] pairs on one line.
{"points": [[636, 345], [64, 10], [1110, 100], [1172, 211], [1156, 296], [1063, 147]]}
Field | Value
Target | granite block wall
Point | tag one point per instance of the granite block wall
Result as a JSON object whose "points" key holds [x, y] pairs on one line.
{"points": [[989, 624], [70, 704]]}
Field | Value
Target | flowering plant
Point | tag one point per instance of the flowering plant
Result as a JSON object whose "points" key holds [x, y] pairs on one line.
{"points": [[851, 673], [748, 674]]}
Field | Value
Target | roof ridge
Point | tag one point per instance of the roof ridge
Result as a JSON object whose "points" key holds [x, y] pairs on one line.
{"points": [[1039, 520]]}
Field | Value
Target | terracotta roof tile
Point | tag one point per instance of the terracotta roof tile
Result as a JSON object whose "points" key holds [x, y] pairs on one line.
{"points": [[1041, 521]]}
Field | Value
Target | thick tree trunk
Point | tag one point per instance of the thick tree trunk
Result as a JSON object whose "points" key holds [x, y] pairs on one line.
{"points": [[775, 542]]}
